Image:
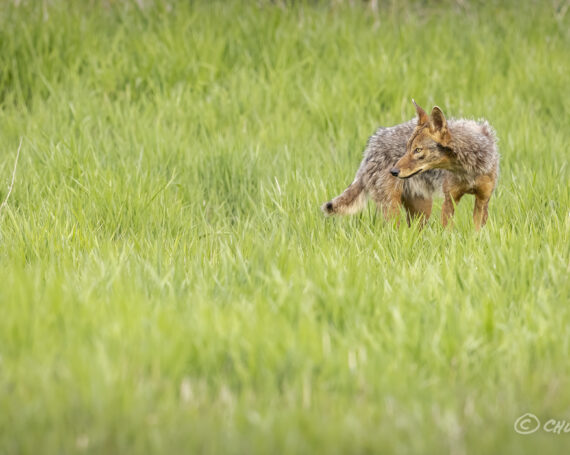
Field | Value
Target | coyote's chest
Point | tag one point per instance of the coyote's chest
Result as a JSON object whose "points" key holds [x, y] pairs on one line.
{"points": [[425, 185]]}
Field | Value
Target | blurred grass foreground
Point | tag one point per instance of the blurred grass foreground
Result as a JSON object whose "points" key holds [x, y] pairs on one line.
{"points": [[169, 284]]}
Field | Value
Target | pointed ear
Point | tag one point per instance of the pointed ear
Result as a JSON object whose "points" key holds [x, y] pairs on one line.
{"points": [[422, 116], [438, 126], [437, 121]]}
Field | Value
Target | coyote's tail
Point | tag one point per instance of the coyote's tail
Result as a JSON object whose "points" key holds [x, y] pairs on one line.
{"points": [[351, 201]]}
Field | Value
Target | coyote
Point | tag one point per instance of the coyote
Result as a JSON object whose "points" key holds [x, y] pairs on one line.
{"points": [[408, 164]]}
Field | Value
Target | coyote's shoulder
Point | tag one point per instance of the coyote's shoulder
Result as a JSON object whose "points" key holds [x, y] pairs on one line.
{"points": [[475, 146]]}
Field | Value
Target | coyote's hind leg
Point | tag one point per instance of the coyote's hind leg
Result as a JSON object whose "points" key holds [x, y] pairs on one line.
{"points": [[388, 202], [417, 208]]}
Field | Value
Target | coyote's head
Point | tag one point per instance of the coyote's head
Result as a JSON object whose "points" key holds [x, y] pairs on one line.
{"points": [[428, 147]]}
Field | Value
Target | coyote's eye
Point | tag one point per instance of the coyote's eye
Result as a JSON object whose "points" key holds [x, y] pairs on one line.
{"points": [[417, 150]]}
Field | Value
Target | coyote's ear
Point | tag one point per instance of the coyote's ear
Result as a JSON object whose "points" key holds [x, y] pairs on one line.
{"points": [[422, 116], [438, 124]]}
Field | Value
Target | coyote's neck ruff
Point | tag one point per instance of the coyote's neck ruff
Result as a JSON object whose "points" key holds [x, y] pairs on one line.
{"points": [[407, 164]]}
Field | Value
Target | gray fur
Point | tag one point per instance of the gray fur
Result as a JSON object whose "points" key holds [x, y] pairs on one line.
{"points": [[474, 144], [384, 148]]}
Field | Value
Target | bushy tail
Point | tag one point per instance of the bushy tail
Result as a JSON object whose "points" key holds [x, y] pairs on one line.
{"points": [[351, 201]]}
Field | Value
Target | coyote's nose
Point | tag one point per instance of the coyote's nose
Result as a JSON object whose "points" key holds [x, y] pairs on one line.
{"points": [[395, 172]]}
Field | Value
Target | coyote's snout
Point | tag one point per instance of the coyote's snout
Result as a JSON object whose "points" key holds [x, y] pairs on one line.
{"points": [[408, 163]]}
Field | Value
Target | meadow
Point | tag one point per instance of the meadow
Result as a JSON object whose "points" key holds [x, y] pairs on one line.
{"points": [[169, 284]]}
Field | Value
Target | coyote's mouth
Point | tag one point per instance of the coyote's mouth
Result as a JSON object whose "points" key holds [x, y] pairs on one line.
{"points": [[411, 175]]}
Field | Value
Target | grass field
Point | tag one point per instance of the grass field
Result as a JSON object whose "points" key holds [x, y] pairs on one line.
{"points": [[169, 284]]}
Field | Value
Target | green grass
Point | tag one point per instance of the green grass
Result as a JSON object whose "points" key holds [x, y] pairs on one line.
{"points": [[169, 284]]}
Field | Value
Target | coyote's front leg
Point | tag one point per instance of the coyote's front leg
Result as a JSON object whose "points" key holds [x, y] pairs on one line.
{"points": [[417, 208]]}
